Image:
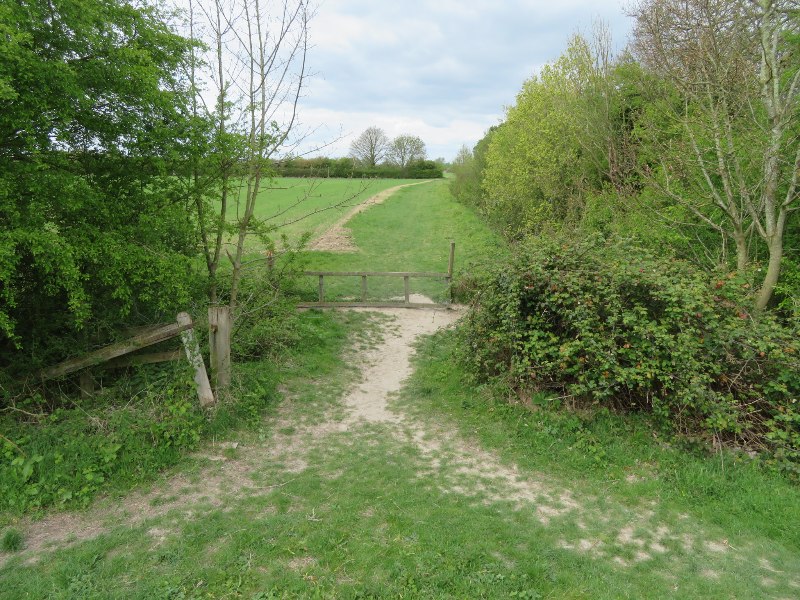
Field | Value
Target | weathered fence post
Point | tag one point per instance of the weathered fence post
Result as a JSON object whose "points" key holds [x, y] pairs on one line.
{"points": [[219, 340], [321, 288], [192, 348], [450, 265], [363, 288], [271, 261], [86, 384], [406, 289]]}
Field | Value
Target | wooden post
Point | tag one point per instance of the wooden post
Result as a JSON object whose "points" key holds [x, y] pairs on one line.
{"points": [[270, 261], [452, 260], [219, 339], [321, 288], [406, 289], [87, 384], [450, 265], [192, 348], [363, 288]]}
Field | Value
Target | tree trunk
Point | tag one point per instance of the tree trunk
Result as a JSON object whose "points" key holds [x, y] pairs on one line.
{"points": [[773, 271], [742, 257]]}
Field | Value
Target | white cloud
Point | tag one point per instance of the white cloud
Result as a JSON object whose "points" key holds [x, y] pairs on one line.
{"points": [[443, 70]]}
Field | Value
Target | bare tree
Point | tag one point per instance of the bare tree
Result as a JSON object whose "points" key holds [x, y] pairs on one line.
{"points": [[370, 147], [405, 149], [730, 151], [248, 74]]}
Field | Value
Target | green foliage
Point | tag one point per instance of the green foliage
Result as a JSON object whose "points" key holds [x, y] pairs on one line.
{"points": [[93, 232], [468, 168], [563, 135], [12, 541], [788, 289], [266, 322], [68, 455], [610, 324]]}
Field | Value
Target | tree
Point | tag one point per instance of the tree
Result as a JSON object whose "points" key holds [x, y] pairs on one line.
{"points": [[405, 149], [255, 65], [536, 168], [727, 125], [370, 147], [93, 123]]}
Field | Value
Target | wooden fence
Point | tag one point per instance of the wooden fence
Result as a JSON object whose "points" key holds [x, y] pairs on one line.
{"points": [[117, 355], [406, 275]]}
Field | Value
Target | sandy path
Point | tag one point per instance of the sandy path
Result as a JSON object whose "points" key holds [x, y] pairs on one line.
{"points": [[338, 238], [626, 536]]}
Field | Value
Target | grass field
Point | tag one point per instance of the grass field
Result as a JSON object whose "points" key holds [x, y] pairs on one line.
{"points": [[410, 231], [296, 206]]}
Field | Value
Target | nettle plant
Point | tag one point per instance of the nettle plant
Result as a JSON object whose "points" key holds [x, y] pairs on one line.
{"points": [[609, 324]]}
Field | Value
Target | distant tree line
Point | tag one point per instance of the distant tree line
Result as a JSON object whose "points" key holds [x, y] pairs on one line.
{"points": [[348, 167]]}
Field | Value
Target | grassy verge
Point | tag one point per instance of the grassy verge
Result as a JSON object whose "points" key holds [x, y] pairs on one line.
{"points": [[145, 423], [410, 231], [622, 462]]}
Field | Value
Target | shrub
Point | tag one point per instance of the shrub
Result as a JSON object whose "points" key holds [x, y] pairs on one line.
{"points": [[610, 324]]}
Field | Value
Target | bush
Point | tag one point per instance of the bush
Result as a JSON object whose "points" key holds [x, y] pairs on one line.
{"points": [[609, 324], [67, 456]]}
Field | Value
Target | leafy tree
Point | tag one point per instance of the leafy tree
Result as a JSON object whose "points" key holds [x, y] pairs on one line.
{"points": [[93, 232], [370, 147], [534, 169], [405, 149], [468, 168], [726, 128]]}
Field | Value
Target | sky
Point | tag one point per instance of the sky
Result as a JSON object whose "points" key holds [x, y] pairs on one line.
{"points": [[443, 70]]}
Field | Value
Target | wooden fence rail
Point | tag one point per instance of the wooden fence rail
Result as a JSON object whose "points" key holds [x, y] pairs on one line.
{"points": [[406, 275], [114, 356]]}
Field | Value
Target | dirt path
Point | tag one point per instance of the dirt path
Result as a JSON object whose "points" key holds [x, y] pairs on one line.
{"points": [[338, 238], [592, 526]]}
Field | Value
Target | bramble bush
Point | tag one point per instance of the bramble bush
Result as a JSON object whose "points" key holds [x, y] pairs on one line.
{"points": [[607, 323]]}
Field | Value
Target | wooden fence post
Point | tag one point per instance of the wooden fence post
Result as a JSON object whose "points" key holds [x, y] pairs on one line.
{"points": [[219, 340], [363, 288], [321, 289], [406, 289], [450, 265], [87, 384], [192, 348]]}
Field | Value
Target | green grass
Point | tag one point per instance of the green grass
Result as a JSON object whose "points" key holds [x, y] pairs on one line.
{"points": [[368, 519], [284, 200], [145, 423], [372, 516], [410, 231], [12, 541], [623, 469]]}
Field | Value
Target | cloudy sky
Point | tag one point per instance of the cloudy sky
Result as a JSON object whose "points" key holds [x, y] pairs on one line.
{"points": [[440, 69]]}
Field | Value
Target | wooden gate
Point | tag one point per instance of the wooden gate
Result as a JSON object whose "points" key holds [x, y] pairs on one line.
{"points": [[364, 275]]}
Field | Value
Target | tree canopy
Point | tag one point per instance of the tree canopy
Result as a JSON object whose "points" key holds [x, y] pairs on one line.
{"points": [[370, 147], [92, 119], [405, 149]]}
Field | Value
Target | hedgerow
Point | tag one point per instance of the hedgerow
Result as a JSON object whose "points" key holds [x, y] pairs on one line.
{"points": [[608, 323]]}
